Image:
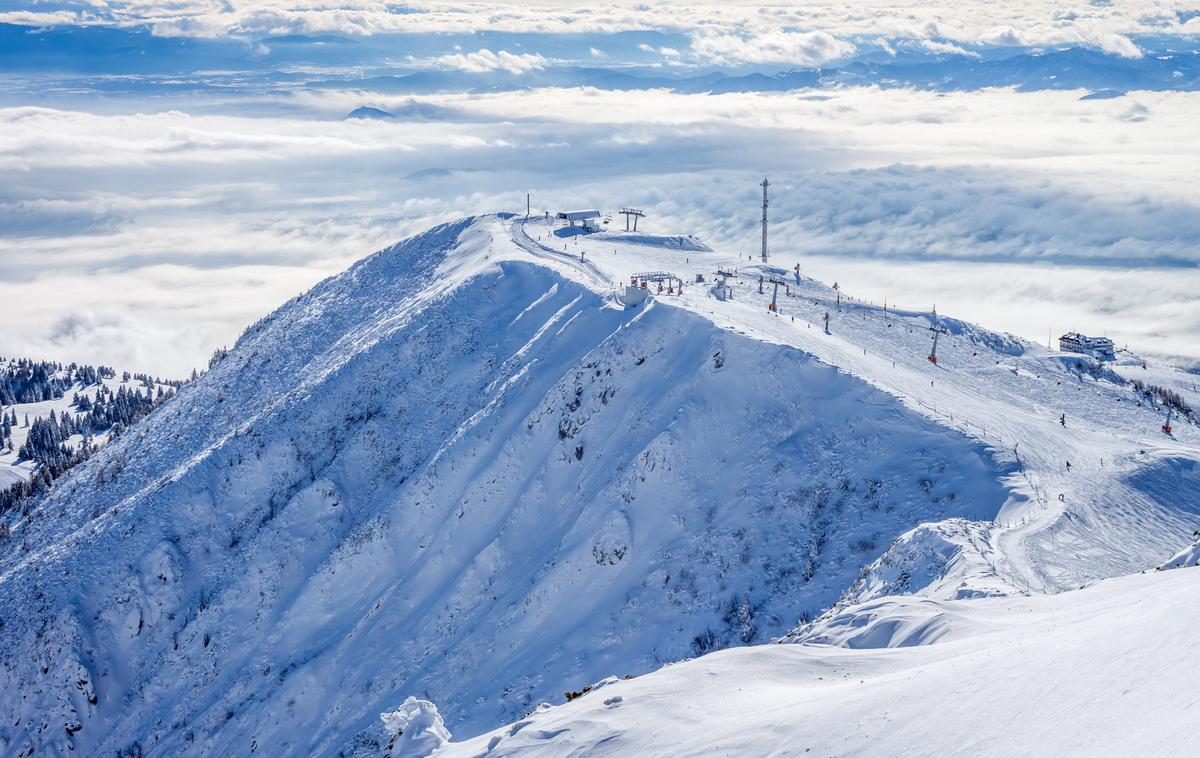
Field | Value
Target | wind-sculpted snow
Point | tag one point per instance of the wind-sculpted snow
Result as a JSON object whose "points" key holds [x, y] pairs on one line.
{"points": [[1189, 556], [458, 475], [1107, 670], [930, 560]]}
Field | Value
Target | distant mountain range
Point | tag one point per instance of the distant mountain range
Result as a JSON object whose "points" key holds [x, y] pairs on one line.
{"points": [[170, 64]]}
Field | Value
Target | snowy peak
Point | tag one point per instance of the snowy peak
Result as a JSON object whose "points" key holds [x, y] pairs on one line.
{"points": [[456, 448], [467, 471], [369, 113]]}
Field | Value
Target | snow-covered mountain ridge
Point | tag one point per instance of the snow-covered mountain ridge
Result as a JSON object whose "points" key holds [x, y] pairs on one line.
{"points": [[464, 471]]}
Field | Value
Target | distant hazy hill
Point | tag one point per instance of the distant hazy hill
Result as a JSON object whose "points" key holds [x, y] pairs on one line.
{"points": [[367, 112]]}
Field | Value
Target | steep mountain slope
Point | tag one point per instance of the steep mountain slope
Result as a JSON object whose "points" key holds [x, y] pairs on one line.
{"points": [[914, 658], [1102, 490], [460, 470], [1108, 670]]}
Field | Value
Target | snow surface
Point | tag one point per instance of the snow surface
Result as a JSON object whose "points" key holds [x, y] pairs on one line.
{"points": [[1107, 670], [463, 472], [1132, 493], [415, 728], [14, 469], [1189, 556]]}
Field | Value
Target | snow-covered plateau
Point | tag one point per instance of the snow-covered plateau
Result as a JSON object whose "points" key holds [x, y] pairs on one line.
{"points": [[466, 477]]}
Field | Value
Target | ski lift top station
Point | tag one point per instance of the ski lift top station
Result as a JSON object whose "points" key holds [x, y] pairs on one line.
{"points": [[572, 216], [1100, 348], [585, 218]]}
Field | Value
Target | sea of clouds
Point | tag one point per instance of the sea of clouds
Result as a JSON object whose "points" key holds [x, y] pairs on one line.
{"points": [[146, 218]]}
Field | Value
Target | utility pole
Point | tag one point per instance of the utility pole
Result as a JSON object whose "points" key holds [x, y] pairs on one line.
{"points": [[765, 184]]}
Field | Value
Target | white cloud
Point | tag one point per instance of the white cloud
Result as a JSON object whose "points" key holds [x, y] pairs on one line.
{"points": [[165, 321], [185, 227], [1117, 44], [1035, 300], [666, 52], [945, 48], [1105, 26], [1110, 42], [46, 18], [485, 60], [807, 49]]}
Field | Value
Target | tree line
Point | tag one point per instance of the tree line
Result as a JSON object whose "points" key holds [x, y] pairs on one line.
{"points": [[48, 442]]}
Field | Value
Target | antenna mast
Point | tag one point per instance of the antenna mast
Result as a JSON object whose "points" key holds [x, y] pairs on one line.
{"points": [[764, 185]]}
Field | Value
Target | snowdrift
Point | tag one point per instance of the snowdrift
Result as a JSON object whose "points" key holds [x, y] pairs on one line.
{"points": [[1189, 556], [1105, 670]]}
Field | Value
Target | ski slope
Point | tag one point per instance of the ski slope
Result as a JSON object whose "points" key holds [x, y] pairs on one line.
{"points": [[1132, 493], [464, 471]]}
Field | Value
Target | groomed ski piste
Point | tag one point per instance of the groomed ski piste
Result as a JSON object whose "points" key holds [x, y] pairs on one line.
{"points": [[466, 477]]}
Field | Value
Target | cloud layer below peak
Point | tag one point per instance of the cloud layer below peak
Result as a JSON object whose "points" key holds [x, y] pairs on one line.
{"points": [[207, 213]]}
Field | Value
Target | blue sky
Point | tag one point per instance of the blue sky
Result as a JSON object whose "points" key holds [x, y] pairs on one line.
{"points": [[175, 170]]}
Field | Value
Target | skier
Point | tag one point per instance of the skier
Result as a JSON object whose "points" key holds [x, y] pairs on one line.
{"points": [[1068, 465], [1063, 420]]}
